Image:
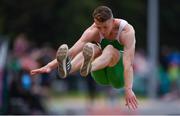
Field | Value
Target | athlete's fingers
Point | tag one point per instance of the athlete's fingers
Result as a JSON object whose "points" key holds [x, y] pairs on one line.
{"points": [[133, 104], [37, 71], [131, 107], [129, 104], [135, 101], [40, 70], [34, 72]]}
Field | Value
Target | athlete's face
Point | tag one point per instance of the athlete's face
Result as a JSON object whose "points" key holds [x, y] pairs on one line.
{"points": [[104, 27]]}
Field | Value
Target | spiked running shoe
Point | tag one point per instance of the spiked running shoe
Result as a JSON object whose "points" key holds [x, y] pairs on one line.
{"points": [[64, 62], [88, 54]]}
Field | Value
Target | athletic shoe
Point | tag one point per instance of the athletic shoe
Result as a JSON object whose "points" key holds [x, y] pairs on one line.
{"points": [[88, 54], [64, 62]]}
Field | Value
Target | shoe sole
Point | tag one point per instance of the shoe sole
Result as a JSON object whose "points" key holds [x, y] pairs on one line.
{"points": [[61, 57], [88, 56]]}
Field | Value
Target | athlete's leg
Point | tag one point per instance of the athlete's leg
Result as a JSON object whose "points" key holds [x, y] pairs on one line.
{"points": [[90, 52], [64, 65], [109, 57], [115, 74], [78, 60], [111, 61], [76, 63]]}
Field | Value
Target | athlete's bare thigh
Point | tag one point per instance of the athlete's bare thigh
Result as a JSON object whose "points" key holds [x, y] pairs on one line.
{"points": [[112, 52]]}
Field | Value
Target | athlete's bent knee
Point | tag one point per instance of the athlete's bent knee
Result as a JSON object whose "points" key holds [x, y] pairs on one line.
{"points": [[109, 47]]}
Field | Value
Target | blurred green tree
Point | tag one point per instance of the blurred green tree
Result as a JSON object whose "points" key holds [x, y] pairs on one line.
{"points": [[63, 21]]}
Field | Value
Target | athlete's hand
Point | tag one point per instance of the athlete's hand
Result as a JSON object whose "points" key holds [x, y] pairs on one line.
{"points": [[44, 69], [131, 100]]}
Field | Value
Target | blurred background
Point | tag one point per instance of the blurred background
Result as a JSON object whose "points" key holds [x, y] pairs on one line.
{"points": [[32, 30]]}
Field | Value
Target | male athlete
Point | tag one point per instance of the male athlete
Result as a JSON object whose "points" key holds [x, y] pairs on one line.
{"points": [[105, 49]]}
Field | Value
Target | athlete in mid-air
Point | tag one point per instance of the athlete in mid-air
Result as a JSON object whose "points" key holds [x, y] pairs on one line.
{"points": [[105, 49]]}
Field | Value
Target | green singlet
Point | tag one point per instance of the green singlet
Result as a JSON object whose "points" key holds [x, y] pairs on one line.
{"points": [[111, 75]]}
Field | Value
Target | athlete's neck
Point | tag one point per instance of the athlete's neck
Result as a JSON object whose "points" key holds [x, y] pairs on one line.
{"points": [[112, 35]]}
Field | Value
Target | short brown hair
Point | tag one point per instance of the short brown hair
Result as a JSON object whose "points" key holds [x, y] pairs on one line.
{"points": [[102, 13]]}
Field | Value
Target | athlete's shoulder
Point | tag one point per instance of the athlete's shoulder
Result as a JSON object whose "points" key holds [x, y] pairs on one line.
{"points": [[128, 29], [92, 30], [127, 35], [91, 33], [120, 19]]}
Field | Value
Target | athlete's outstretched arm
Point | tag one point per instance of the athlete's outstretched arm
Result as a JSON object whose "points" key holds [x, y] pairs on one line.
{"points": [[45, 69], [129, 41]]}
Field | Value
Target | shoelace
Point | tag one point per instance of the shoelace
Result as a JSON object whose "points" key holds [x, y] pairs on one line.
{"points": [[68, 64]]}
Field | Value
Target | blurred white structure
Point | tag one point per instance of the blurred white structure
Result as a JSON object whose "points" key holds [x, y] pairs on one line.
{"points": [[153, 41]]}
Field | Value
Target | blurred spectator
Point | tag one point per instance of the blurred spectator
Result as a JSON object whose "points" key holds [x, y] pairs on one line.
{"points": [[140, 72], [174, 73], [22, 98], [164, 81], [170, 61]]}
